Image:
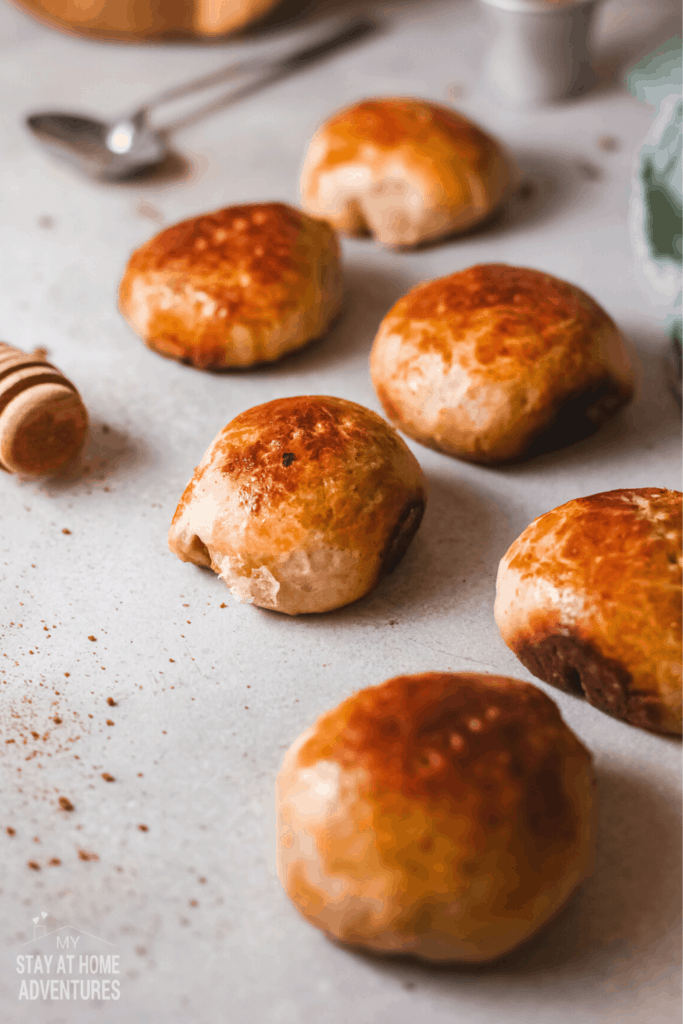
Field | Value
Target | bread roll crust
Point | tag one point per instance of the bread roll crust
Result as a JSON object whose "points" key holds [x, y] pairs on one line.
{"points": [[234, 288], [301, 504], [589, 599], [405, 170], [445, 815], [497, 363]]}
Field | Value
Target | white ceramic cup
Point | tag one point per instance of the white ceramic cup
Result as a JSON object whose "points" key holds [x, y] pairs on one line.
{"points": [[539, 50]]}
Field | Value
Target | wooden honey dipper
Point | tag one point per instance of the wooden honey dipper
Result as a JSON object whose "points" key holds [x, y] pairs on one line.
{"points": [[42, 418]]}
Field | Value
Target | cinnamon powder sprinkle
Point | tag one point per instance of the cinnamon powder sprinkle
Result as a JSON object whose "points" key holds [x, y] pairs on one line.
{"points": [[143, 828], [86, 855], [107, 777], [66, 804], [111, 702], [34, 865]]}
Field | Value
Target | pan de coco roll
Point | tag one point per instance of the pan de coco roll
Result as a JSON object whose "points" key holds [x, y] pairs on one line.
{"points": [[404, 170], [301, 504], [241, 286], [496, 363], [589, 599], [445, 815]]}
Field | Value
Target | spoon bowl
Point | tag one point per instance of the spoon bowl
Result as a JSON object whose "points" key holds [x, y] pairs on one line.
{"points": [[105, 151]]}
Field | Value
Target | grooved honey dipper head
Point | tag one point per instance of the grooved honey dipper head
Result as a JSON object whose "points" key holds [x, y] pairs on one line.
{"points": [[43, 421]]}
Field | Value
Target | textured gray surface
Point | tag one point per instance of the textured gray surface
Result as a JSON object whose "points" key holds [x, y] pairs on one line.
{"points": [[208, 697]]}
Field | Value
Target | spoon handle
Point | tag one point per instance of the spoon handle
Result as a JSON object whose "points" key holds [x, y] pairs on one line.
{"points": [[347, 33]]}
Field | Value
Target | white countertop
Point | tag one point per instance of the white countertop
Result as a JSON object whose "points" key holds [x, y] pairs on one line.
{"points": [[209, 693]]}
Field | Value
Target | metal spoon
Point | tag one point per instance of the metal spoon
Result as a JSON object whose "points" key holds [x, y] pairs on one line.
{"points": [[130, 145]]}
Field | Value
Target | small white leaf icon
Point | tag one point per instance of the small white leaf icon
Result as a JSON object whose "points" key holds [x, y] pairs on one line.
{"points": [[43, 913], [36, 920]]}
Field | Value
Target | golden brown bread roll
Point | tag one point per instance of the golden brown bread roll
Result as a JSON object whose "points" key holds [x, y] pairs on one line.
{"points": [[301, 504], [589, 599], [404, 170], [496, 363], [240, 286], [149, 19], [446, 816]]}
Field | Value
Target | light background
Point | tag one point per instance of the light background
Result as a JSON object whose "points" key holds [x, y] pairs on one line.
{"points": [[197, 740]]}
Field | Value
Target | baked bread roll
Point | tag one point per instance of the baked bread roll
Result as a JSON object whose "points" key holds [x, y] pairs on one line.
{"points": [[589, 599], [496, 363], [403, 170], [149, 19], [445, 816], [301, 504], [234, 288]]}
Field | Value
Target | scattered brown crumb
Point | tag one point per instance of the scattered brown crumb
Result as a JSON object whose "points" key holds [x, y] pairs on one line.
{"points": [[109, 721], [54, 862], [67, 674], [107, 777], [65, 530], [111, 702], [34, 865], [143, 828], [10, 741], [11, 831], [57, 720], [526, 191], [588, 171], [86, 855], [36, 735], [172, 659], [145, 209], [65, 804], [223, 605], [92, 638], [140, 775]]}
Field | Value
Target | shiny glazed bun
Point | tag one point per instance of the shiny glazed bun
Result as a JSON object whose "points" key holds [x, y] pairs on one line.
{"points": [[447, 816], [497, 363], [240, 286], [404, 170], [301, 504], [589, 599]]}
